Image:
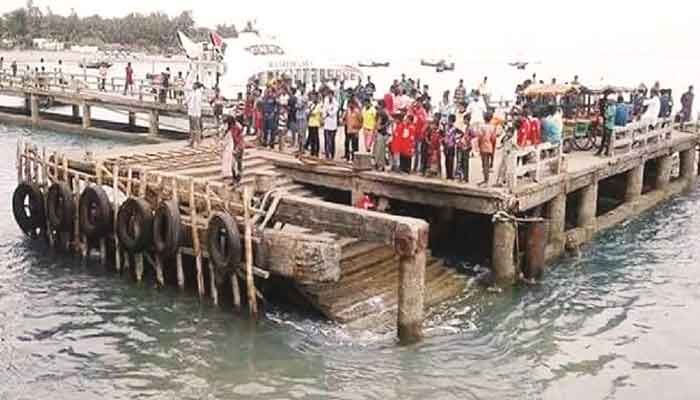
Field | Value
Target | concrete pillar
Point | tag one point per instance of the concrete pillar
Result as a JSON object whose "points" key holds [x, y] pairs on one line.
{"points": [[76, 111], [154, 125], [34, 107], [411, 243], [356, 193], [87, 119], [588, 208], [556, 214], [689, 159], [635, 183], [502, 259], [132, 119], [664, 164], [411, 296]]}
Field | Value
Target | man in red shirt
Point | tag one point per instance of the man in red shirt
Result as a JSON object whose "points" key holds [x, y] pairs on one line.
{"points": [[420, 118], [535, 130], [389, 102], [487, 148], [402, 142], [524, 131], [129, 79]]}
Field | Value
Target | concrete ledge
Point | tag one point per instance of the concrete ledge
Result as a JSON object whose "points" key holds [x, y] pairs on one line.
{"points": [[100, 133]]}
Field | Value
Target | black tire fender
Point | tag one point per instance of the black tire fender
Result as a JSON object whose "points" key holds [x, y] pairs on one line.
{"points": [[60, 207], [95, 212], [28, 209], [224, 241], [167, 229], [135, 224]]}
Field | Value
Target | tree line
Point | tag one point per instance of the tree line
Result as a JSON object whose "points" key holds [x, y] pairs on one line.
{"points": [[152, 32]]}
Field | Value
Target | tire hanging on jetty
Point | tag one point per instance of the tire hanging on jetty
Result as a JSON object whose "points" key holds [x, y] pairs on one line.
{"points": [[135, 224], [167, 229], [28, 209], [95, 212], [60, 207], [224, 241]]}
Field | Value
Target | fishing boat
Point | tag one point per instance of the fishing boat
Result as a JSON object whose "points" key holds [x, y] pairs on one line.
{"points": [[95, 64], [373, 64], [441, 65]]}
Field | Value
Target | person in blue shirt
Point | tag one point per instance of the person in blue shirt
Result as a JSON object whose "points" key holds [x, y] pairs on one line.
{"points": [[622, 112]]}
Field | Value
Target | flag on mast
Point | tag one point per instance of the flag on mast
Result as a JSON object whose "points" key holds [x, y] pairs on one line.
{"points": [[216, 39]]}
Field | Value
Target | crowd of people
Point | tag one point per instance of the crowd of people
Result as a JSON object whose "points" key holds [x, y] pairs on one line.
{"points": [[401, 130]]}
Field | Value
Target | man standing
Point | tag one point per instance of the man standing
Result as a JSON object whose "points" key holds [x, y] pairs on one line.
{"points": [[269, 115], [608, 126], [13, 66], [129, 79], [194, 111], [330, 126], [687, 105], [353, 123], [383, 123], [460, 93], [484, 90], [369, 124], [487, 148]]}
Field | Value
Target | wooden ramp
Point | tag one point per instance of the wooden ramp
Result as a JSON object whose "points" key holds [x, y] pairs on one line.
{"points": [[366, 295]]}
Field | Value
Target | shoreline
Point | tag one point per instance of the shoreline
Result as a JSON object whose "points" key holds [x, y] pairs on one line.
{"points": [[67, 56]]}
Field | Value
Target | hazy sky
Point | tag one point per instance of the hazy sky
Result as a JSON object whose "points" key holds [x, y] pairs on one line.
{"points": [[491, 29]]}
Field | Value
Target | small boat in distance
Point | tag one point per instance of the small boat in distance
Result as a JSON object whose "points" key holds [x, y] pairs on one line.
{"points": [[373, 64], [439, 65], [95, 64]]}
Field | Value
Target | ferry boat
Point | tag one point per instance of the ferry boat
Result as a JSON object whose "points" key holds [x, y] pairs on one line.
{"points": [[252, 55]]}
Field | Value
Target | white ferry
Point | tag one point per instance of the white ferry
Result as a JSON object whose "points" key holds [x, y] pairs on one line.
{"points": [[252, 55]]}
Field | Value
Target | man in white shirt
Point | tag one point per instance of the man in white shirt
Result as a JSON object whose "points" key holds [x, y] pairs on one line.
{"points": [[651, 115], [194, 112], [330, 126], [476, 109]]}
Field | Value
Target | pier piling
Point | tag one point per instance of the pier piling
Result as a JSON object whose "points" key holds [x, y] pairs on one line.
{"points": [[34, 108], [635, 183], [556, 213], [664, 165], [588, 208], [87, 119], [688, 163], [502, 259]]}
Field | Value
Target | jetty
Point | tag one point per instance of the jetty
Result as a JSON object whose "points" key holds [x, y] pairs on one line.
{"points": [[162, 213], [41, 93]]}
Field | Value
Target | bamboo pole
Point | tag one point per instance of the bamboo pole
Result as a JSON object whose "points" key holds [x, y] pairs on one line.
{"points": [[236, 291], [160, 279], [44, 169], [81, 241], [195, 242], [115, 189], [250, 283], [178, 256], [27, 163], [20, 146], [103, 241], [212, 281], [35, 164], [129, 177], [138, 258]]}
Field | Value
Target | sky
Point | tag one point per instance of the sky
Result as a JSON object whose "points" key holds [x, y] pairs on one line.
{"points": [[492, 29]]}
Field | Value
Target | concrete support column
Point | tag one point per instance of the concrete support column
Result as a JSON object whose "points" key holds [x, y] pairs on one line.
{"points": [[689, 160], [34, 107], [87, 119], [411, 245], [76, 111], [502, 255], [588, 208], [664, 164], [154, 125], [556, 214], [132, 119], [635, 183], [356, 193]]}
